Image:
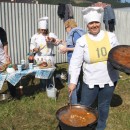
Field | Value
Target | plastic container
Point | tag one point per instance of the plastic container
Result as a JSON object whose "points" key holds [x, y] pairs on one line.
{"points": [[19, 68], [51, 91]]}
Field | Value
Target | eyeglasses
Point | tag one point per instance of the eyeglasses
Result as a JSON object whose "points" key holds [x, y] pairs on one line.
{"points": [[43, 29], [66, 27]]}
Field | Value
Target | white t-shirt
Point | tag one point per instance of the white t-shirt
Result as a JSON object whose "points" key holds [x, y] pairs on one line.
{"points": [[2, 53]]}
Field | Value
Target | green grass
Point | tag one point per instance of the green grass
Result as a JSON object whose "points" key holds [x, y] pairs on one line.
{"points": [[35, 111], [119, 117]]}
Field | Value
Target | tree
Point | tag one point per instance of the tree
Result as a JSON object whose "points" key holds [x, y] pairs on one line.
{"points": [[114, 3]]}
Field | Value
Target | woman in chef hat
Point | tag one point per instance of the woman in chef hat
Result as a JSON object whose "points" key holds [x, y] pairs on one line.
{"points": [[42, 44], [99, 76]]}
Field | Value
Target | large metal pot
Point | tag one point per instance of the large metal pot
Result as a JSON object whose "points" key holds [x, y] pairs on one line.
{"points": [[119, 57], [65, 109]]}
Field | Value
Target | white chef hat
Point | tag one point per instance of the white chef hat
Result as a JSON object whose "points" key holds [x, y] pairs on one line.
{"points": [[43, 23], [91, 14]]}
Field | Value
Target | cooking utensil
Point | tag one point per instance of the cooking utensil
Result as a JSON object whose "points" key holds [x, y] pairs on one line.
{"points": [[65, 109], [4, 97], [69, 103], [119, 57]]}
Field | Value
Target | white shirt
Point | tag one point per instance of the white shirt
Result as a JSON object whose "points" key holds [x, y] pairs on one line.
{"points": [[96, 73], [2, 53]]}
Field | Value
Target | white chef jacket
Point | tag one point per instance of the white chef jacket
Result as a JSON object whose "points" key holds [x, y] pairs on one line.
{"points": [[99, 73], [38, 40]]}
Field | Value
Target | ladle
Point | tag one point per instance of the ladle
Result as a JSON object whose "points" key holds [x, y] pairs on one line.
{"points": [[70, 101]]}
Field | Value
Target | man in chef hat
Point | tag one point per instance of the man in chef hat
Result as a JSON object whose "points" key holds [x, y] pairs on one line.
{"points": [[42, 29], [42, 44], [43, 24], [99, 76]]}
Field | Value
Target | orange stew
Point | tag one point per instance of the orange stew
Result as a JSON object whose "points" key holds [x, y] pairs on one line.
{"points": [[78, 117], [122, 56]]}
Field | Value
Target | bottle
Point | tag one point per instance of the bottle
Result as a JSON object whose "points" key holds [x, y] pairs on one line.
{"points": [[31, 57]]}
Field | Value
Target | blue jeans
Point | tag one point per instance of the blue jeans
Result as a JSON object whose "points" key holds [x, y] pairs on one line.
{"points": [[104, 96], [75, 97]]}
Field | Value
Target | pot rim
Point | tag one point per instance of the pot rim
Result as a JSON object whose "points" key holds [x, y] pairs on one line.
{"points": [[94, 111]]}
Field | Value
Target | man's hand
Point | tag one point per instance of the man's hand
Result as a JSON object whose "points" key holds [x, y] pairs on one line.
{"points": [[8, 59], [58, 41], [36, 49], [50, 39]]}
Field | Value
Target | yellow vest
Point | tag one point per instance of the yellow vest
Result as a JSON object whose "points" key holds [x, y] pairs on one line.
{"points": [[98, 50]]}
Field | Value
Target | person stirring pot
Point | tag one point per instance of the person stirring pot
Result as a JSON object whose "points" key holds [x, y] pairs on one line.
{"points": [[99, 76]]}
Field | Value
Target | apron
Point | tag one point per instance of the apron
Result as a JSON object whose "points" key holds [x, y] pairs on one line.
{"points": [[98, 50]]}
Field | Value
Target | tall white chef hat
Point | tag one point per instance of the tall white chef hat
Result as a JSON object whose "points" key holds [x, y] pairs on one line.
{"points": [[91, 14], [43, 23]]}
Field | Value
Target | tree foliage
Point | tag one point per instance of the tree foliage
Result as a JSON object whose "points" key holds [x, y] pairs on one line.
{"points": [[114, 3]]}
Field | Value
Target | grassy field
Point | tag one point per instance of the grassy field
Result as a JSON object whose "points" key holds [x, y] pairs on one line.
{"points": [[35, 111]]}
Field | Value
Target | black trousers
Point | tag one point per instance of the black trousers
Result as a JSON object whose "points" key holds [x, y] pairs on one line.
{"points": [[12, 89]]}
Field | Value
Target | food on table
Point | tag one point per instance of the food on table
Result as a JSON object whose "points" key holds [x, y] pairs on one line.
{"points": [[77, 117], [43, 64]]}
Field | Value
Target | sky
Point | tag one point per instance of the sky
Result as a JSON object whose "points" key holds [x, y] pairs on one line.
{"points": [[125, 0]]}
